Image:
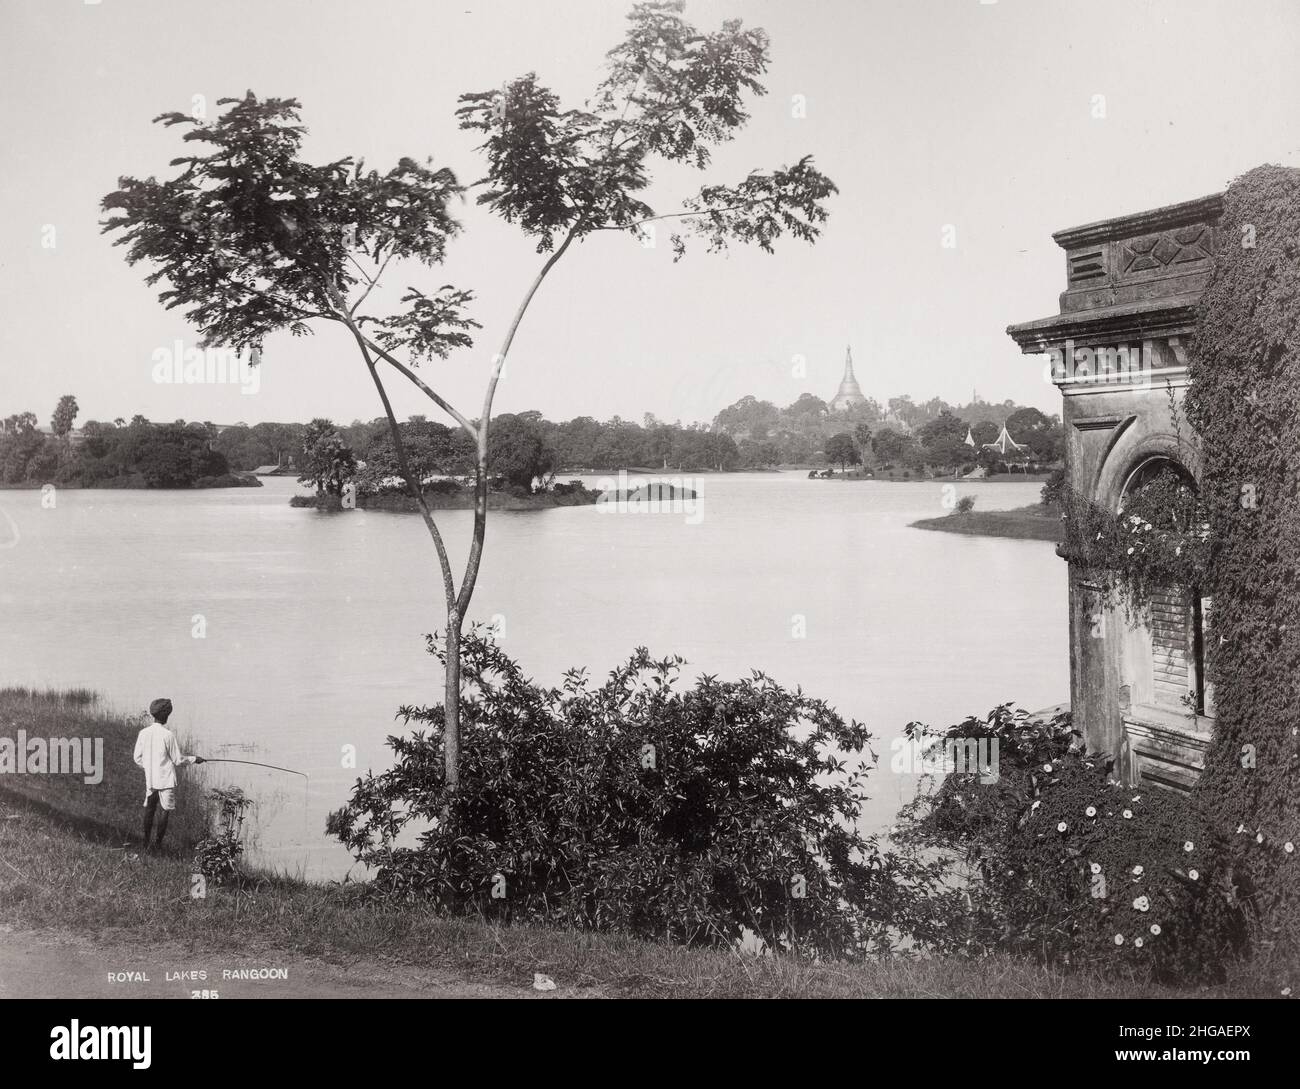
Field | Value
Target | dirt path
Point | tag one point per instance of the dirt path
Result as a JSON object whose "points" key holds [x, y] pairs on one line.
{"points": [[43, 964]]}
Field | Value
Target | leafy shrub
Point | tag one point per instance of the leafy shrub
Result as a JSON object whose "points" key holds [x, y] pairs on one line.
{"points": [[1052, 493], [1159, 540], [217, 854], [322, 501], [694, 816], [1062, 863], [572, 488], [965, 505]]}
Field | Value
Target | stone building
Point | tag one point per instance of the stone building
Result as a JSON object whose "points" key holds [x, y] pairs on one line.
{"points": [[1118, 353]]}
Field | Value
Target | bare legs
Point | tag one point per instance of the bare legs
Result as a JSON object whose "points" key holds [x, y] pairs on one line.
{"points": [[151, 809]]}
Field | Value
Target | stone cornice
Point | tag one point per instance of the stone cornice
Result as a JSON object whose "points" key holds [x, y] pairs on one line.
{"points": [[1172, 316], [1202, 210]]}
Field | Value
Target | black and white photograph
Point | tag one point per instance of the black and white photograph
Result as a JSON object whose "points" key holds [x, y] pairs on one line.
{"points": [[650, 500]]}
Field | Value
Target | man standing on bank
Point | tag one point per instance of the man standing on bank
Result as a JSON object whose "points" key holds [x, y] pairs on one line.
{"points": [[157, 752]]}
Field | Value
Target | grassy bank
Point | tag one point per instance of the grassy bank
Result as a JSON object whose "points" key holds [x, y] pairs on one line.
{"points": [[64, 870], [58, 875], [111, 808], [909, 476], [1032, 523]]}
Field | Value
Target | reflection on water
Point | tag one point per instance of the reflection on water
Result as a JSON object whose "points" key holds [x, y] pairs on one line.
{"points": [[313, 624]]}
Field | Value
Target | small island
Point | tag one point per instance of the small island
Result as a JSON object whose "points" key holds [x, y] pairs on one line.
{"points": [[1035, 522], [1041, 521], [450, 495]]}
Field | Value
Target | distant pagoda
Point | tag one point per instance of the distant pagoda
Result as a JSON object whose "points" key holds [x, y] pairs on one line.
{"points": [[849, 393], [1008, 451], [1007, 447]]}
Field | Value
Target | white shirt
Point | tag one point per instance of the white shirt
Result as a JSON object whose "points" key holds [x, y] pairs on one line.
{"points": [[158, 753]]}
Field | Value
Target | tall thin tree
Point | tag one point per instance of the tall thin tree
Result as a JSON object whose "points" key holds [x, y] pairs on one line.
{"points": [[252, 240]]}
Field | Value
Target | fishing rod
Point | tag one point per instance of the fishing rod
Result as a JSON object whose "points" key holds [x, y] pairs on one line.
{"points": [[254, 763], [306, 786]]}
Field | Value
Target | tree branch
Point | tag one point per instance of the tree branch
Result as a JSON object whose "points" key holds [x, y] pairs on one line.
{"points": [[480, 468], [444, 561], [673, 215], [366, 294], [466, 425]]}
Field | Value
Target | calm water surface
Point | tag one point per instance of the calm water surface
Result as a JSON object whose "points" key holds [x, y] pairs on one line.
{"points": [[315, 623]]}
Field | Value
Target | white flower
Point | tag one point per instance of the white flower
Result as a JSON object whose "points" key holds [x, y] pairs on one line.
{"points": [[1286, 992], [1155, 930], [1138, 943], [1137, 871], [1047, 768], [1062, 826], [1259, 838], [1091, 811], [1193, 875], [1096, 867], [1127, 814], [1035, 805], [1141, 903], [1119, 939], [1136, 798], [1189, 846], [1288, 846], [1130, 551], [1241, 828], [1178, 551]]}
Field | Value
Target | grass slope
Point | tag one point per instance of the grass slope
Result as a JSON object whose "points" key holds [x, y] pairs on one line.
{"points": [[64, 870]]}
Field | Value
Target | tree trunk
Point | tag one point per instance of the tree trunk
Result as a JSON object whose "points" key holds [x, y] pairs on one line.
{"points": [[451, 703]]}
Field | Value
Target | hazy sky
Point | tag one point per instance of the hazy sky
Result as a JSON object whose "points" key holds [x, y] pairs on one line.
{"points": [[925, 113]]}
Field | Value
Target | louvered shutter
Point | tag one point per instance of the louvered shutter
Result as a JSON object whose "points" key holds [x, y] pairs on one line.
{"points": [[1171, 648]]}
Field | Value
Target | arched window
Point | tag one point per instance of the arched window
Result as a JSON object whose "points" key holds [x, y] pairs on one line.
{"points": [[1164, 661]]}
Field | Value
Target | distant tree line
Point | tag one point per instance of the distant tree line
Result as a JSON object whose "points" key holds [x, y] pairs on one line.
{"points": [[525, 449], [930, 436], [116, 454]]}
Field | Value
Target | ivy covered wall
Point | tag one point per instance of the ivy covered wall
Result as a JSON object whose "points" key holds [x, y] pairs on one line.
{"points": [[1244, 402]]}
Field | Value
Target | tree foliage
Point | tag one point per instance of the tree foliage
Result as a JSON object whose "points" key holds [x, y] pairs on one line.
{"points": [[519, 451], [177, 455], [327, 462], [671, 93], [65, 414], [841, 450]]}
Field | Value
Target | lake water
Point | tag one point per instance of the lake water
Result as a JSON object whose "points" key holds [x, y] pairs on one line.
{"points": [[313, 624]]}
